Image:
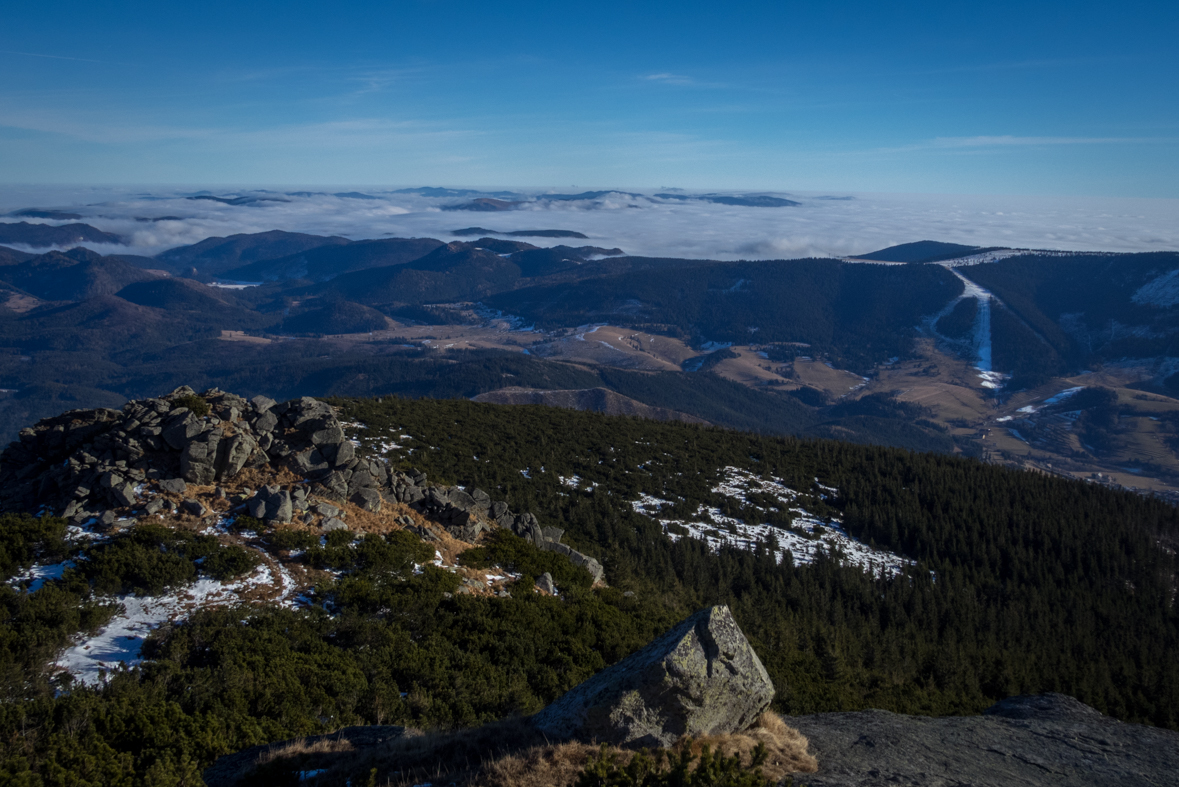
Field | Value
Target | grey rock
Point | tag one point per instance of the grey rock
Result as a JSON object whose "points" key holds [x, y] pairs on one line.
{"points": [[199, 458], [332, 434], [461, 500], [266, 423], [180, 429], [106, 518], [176, 486], [331, 523], [123, 494], [1049, 740], [262, 403], [308, 409], [71, 509], [309, 462], [361, 478], [279, 507], [233, 453], [700, 678], [367, 498], [326, 509], [194, 507], [552, 533], [344, 453], [467, 529], [256, 506], [545, 583], [155, 506], [423, 533], [336, 485]]}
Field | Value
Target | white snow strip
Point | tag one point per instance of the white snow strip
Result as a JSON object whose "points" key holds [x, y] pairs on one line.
{"points": [[1065, 394]]}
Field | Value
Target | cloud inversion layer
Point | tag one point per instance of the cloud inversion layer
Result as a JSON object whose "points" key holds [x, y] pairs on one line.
{"points": [[822, 225]]}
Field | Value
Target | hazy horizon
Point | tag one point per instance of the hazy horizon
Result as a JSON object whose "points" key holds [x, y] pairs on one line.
{"points": [[828, 223]]}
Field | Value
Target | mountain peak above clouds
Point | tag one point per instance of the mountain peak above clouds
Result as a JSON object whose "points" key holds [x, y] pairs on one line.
{"points": [[42, 236]]}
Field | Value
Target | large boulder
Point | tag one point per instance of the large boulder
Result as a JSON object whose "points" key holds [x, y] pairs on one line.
{"points": [[700, 678]]}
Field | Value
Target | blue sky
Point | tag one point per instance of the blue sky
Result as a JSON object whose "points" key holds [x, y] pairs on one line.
{"points": [[1031, 98]]}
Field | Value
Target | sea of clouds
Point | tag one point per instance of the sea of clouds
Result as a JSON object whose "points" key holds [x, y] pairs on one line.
{"points": [[824, 225]]}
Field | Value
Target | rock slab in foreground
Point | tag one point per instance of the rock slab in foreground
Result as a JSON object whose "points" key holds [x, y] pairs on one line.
{"points": [[700, 678], [1041, 741]]}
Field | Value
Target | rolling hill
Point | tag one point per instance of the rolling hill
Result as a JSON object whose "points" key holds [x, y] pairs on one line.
{"points": [[40, 236]]}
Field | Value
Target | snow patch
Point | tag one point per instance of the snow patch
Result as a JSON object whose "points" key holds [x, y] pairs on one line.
{"points": [[119, 643], [1160, 291], [808, 535], [36, 576]]}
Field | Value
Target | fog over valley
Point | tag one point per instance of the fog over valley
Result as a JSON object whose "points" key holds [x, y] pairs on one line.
{"points": [[675, 224]]}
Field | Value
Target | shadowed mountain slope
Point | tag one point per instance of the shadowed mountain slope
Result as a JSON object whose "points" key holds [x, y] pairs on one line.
{"points": [[179, 295], [215, 256], [859, 314], [598, 400], [329, 261], [339, 317], [74, 275], [45, 235]]}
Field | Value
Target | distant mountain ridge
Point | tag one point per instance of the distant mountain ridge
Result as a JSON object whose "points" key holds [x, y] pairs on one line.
{"points": [[214, 256], [920, 251], [75, 275], [40, 236]]}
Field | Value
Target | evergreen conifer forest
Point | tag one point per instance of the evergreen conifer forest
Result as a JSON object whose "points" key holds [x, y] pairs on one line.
{"points": [[1021, 583]]}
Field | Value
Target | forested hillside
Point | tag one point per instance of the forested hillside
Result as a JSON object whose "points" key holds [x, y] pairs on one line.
{"points": [[1021, 583], [1081, 308], [858, 315]]}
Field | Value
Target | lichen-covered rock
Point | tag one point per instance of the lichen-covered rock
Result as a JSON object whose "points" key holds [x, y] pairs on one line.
{"points": [[700, 678]]}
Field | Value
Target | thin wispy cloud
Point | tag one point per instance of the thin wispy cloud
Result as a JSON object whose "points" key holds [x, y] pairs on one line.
{"points": [[50, 57], [667, 78], [1011, 141], [1007, 140]]}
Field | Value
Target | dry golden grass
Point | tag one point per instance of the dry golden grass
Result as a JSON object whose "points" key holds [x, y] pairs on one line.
{"points": [[511, 753], [302, 748]]}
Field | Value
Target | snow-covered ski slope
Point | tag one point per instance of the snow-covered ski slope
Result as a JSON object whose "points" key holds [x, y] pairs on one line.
{"points": [[807, 537], [980, 340]]}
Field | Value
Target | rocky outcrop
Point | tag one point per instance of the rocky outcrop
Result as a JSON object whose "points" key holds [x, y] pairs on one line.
{"points": [[700, 678], [85, 463], [1027, 741]]}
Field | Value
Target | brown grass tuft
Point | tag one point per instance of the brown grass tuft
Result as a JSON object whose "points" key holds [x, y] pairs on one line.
{"points": [[512, 753], [303, 748]]}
